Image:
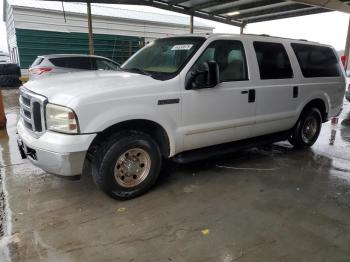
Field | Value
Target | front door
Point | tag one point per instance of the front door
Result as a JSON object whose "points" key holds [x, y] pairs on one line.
{"points": [[226, 112]]}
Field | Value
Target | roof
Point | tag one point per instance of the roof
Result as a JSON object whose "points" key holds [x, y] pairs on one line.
{"points": [[240, 12], [261, 37], [108, 11]]}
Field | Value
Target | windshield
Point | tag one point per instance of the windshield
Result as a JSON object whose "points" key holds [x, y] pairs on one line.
{"points": [[163, 57]]}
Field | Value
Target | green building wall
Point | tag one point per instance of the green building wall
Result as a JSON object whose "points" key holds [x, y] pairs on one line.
{"points": [[32, 43]]}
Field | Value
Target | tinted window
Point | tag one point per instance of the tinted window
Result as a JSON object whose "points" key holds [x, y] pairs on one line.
{"points": [[230, 57], [273, 61], [316, 61], [85, 63], [102, 64], [37, 61]]}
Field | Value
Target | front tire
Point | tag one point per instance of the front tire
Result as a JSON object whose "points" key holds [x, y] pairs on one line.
{"points": [[126, 165], [308, 128]]}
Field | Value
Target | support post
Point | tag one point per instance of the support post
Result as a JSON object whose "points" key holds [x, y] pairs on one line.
{"points": [[242, 29], [2, 112], [130, 48], [191, 24], [347, 47], [91, 36]]}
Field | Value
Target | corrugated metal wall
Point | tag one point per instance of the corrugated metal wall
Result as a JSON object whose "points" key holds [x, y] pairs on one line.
{"points": [[51, 20], [32, 43], [11, 34]]}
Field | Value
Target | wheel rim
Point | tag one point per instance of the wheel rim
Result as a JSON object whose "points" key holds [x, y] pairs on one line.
{"points": [[132, 167], [309, 129]]}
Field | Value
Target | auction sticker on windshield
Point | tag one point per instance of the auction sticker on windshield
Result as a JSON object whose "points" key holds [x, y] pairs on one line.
{"points": [[181, 47]]}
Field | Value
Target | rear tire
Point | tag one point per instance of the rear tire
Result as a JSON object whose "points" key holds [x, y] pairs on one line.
{"points": [[127, 164], [308, 128]]}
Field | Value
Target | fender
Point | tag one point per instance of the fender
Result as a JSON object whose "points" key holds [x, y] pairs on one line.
{"points": [[107, 118], [317, 94]]}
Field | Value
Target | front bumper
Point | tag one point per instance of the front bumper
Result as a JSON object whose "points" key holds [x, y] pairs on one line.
{"points": [[55, 153], [68, 164]]}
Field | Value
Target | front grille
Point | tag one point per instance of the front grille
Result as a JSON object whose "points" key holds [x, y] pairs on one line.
{"points": [[32, 111]]}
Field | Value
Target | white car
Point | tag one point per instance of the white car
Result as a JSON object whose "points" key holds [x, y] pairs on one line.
{"points": [[184, 98], [45, 65]]}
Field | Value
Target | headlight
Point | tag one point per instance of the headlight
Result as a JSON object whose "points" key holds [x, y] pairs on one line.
{"points": [[61, 119]]}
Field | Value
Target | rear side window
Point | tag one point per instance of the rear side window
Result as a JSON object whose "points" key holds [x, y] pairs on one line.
{"points": [[85, 63], [102, 64], [316, 61], [273, 61], [37, 61]]}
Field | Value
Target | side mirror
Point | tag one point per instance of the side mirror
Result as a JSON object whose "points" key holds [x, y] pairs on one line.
{"points": [[207, 76]]}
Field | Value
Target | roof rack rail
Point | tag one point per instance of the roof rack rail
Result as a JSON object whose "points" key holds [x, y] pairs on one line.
{"points": [[280, 37]]}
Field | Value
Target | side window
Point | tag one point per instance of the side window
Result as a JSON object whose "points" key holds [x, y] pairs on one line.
{"points": [[273, 61], [58, 62], [230, 56], [208, 55], [85, 63], [37, 61], [102, 64], [316, 61]]}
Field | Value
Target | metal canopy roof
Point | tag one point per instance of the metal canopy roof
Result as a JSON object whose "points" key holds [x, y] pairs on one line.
{"points": [[105, 11], [240, 12]]}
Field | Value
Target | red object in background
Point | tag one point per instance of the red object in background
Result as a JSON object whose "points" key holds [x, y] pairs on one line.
{"points": [[335, 120], [344, 60]]}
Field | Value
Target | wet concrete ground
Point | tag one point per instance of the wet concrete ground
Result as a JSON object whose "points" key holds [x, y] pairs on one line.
{"points": [[268, 204]]}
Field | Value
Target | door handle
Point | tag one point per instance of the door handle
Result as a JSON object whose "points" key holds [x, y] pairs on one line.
{"points": [[251, 96], [244, 92], [295, 91]]}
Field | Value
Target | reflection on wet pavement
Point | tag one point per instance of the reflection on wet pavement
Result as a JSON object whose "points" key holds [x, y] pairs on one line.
{"points": [[273, 203]]}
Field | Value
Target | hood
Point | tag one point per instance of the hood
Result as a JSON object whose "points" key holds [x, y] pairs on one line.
{"points": [[62, 88]]}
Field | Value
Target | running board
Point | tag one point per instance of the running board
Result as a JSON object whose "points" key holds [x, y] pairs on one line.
{"points": [[222, 149]]}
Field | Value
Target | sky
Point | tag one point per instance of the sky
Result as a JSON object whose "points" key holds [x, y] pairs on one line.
{"points": [[328, 28]]}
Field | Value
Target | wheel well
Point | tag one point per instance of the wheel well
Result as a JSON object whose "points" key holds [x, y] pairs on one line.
{"points": [[320, 105], [156, 131]]}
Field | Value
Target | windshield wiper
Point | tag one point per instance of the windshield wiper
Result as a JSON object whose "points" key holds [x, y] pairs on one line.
{"points": [[137, 70]]}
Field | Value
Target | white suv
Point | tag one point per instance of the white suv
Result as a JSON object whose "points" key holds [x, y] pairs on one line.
{"points": [[183, 98]]}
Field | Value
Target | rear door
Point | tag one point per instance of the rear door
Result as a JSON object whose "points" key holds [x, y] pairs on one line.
{"points": [[276, 88]]}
